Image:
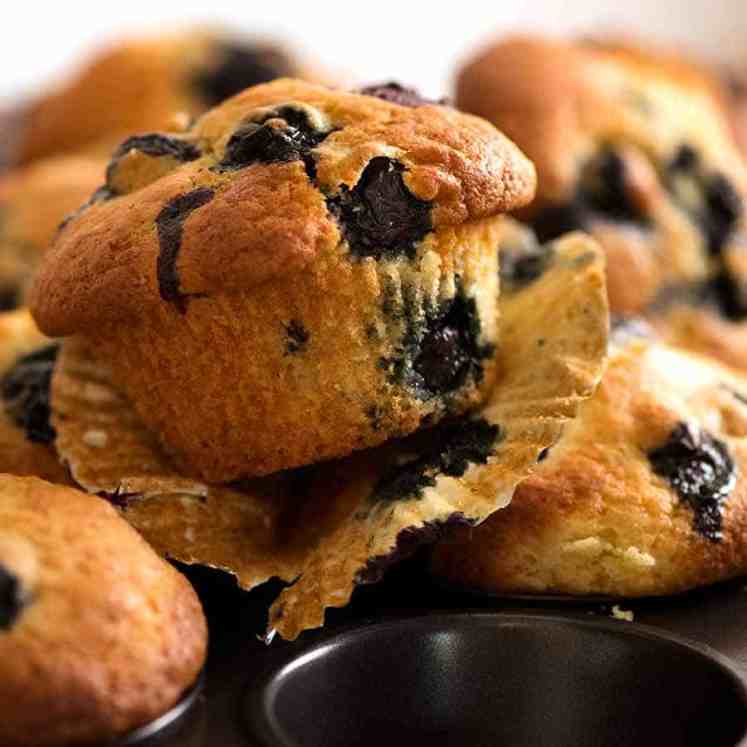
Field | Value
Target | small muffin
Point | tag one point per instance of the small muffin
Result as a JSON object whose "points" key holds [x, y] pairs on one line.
{"points": [[305, 273], [644, 494], [140, 84], [27, 359], [34, 200], [631, 145], [98, 635]]}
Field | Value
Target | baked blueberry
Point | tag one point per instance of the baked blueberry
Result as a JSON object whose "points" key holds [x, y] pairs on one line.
{"points": [[448, 350], [523, 260], [380, 217], [450, 449], [12, 598], [701, 471], [170, 225], [287, 134], [25, 393], [605, 188], [297, 337]]}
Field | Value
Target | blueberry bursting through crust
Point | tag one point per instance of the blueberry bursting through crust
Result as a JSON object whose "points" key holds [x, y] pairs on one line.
{"points": [[25, 392], [439, 354], [284, 135], [701, 471], [156, 145], [380, 217]]}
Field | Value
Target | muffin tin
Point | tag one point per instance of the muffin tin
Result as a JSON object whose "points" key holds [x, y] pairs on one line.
{"points": [[412, 661]]}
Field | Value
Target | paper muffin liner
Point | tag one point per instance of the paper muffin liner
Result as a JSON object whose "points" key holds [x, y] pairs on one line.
{"points": [[328, 527], [313, 365]]}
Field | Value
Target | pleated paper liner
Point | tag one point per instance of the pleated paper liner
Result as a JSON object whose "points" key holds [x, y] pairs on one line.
{"points": [[329, 527]]}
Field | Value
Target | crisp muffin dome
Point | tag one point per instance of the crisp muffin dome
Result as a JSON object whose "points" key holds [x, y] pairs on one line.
{"points": [[263, 185]]}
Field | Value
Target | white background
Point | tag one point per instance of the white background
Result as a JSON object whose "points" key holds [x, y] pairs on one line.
{"points": [[415, 42]]}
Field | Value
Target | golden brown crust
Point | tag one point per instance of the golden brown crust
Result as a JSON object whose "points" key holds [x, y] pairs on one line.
{"points": [[704, 331], [595, 518], [110, 635], [134, 85], [267, 219]]}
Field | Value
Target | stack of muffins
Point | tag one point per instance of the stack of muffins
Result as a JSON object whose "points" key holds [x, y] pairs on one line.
{"points": [[292, 332]]}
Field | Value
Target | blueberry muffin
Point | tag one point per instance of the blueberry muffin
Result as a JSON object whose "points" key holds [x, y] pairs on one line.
{"points": [[327, 528], [305, 273], [633, 146], [140, 84], [644, 494], [26, 436], [34, 200], [98, 635]]}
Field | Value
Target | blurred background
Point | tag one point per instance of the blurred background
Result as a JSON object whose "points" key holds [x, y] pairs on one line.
{"points": [[417, 43]]}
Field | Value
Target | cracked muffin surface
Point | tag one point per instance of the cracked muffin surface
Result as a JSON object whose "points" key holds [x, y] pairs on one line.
{"points": [[98, 635], [316, 268]]}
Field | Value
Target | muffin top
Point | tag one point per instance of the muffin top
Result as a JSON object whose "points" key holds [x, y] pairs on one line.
{"points": [[261, 186], [142, 83], [644, 494], [97, 633], [563, 102]]}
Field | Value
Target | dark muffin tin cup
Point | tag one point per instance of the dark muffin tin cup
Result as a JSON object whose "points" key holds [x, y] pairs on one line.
{"points": [[515, 680], [182, 724]]}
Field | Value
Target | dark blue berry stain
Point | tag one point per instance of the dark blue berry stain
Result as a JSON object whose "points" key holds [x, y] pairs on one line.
{"points": [[701, 471], [442, 353], [379, 217], [282, 136], [447, 449], [296, 337], [12, 601], [170, 226], [154, 145], [25, 391]]}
